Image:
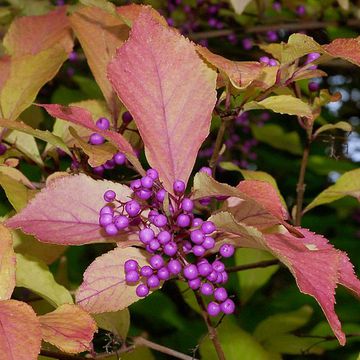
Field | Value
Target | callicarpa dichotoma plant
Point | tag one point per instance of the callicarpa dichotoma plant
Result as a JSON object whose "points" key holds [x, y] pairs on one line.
{"points": [[162, 217]]}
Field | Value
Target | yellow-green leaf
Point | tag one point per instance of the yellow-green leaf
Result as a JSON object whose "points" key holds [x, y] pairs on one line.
{"points": [[347, 184], [341, 125], [116, 322], [283, 104], [35, 276]]}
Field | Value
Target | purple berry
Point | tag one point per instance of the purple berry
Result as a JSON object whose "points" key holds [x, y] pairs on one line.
{"points": [[265, 60], [212, 276], [301, 10], [247, 43], [130, 265], [208, 227], [220, 294], [170, 248], [198, 250], [179, 187], [106, 210], [206, 170], [153, 281], [208, 243], [144, 194], [160, 195], [132, 208], [146, 271], [207, 289], [272, 62], [132, 276], [276, 6], [213, 308], [105, 219], [225, 277], [109, 165], [147, 182], [218, 266], [135, 184], [187, 246], [187, 204], [142, 290], [272, 36], [109, 195], [127, 117], [194, 284], [183, 220], [97, 170], [174, 266], [164, 237], [96, 139], [163, 273], [73, 56], [197, 222], [146, 235], [103, 124], [190, 272], [312, 57], [227, 307], [313, 86], [156, 261], [111, 229], [205, 201], [197, 237], [119, 158], [160, 220], [227, 250], [205, 269], [121, 222], [154, 245], [153, 174]]}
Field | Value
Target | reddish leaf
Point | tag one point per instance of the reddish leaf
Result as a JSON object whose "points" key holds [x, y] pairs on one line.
{"points": [[7, 264], [104, 288], [240, 73], [169, 91], [69, 328], [20, 335], [348, 49], [5, 66], [67, 211], [132, 12], [100, 34], [32, 34], [83, 117]]}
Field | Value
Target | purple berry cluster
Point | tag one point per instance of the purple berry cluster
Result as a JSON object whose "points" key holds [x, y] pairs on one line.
{"points": [[178, 242], [97, 139]]}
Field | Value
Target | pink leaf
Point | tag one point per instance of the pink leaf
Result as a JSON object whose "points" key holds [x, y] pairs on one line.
{"points": [[104, 288], [69, 328], [348, 49], [7, 264], [20, 335], [169, 91], [67, 211], [83, 117], [132, 12], [32, 34]]}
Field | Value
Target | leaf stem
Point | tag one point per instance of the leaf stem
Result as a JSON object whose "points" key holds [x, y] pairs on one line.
{"points": [[211, 329], [218, 145], [260, 264]]}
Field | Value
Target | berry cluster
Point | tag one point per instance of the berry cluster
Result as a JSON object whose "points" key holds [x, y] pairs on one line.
{"points": [[3, 149], [97, 139], [178, 241]]}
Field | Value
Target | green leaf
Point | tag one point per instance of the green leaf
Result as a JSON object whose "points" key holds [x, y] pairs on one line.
{"points": [[282, 323], [39, 134], [188, 295], [347, 184], [341, 125], [283, 104], [17, 193], [235, 342], [323, 165], [35, 276], [276, 136], [252, 279], [116, 322], [140, 353]]}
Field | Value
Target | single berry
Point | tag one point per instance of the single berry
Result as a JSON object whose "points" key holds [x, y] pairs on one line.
{"points": [[197, 237], [206, 170], [121, 222], [109, 165], [247, 43], [183, 220], [157, 262], [218, 266], [132, 276], [142, 290], [103, 123], [226, 250], [106, 210], [144, 194], [208, 243], [130, 265], [205, 201], [194, 284], [153, 174], [220, 294], [179, 187], [146, 271], [313, 86], [272, 36], [160, 195], [132, 208], [146, 235], [97, 170], [154, 245], [163, 273], [160, 220], [164, 237], [190, 272], [265, 60], [119, 158], [153, 281], [187, 204], [147, 182], [208, 227], [205, 269], [135, 184], [312, 57], [174, 266], [170, 248], [126, 117], [96, 139], [213, 308], [212, 276], [105, 219], [109, 195], [207, 289], [197, 222], [301, 10], [198, 250], [111, 229], [272, 62], [227, 307]]}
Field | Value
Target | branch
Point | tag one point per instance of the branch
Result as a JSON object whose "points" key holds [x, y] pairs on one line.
{"points": [[260, 264], [212, 331], [140, 341]]}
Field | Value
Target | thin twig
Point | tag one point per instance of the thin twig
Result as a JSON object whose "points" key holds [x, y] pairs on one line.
{"points": [[140, 341], [212, 331], [218, 145], [260, 264]]}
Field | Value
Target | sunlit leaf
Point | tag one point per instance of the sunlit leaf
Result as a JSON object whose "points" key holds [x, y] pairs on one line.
{"points": [[172, 112], [341, 125], [239, 5]]}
